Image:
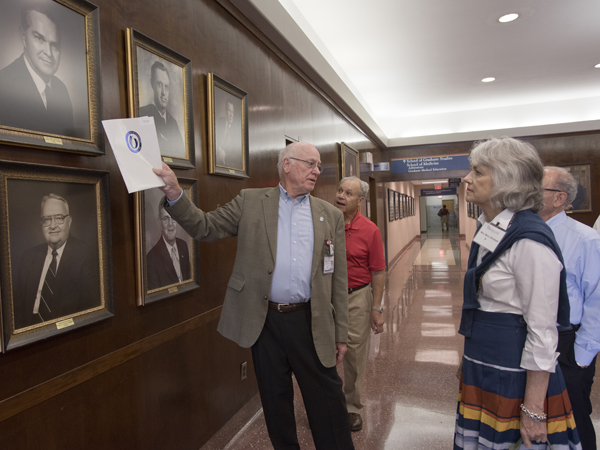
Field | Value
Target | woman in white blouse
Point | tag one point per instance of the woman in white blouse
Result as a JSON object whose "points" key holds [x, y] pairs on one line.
{"points": [[514, 295]]}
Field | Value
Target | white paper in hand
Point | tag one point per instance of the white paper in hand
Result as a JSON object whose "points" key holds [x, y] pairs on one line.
{"points": [[135, 146]]}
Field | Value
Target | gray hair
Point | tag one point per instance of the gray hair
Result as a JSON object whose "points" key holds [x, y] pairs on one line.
{"points": [[49, 10], [364, 186], [287, 152], [564, 182], [517, 173], [51, 196], [157, 66]]}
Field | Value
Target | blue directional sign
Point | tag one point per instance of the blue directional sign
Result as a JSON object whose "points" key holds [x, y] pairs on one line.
{"points": [[430, 164], [432, 192]]}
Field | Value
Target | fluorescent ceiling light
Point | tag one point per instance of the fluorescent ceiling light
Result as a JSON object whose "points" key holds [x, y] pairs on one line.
{"points": [[434, 182], [508, 18], [488, 80]]}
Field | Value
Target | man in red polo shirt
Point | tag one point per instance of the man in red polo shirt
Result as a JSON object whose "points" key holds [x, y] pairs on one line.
{"points": [[366, 276]]}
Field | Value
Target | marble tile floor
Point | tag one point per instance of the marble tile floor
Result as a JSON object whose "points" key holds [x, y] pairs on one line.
{"points": [[411, 386]]}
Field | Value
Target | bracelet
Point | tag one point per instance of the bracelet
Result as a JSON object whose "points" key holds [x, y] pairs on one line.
{"points": [[533, 416]]}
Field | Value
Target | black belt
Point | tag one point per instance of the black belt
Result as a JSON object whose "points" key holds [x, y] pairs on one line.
{"points": [[562, 329], [289, 307], [351, 290]]}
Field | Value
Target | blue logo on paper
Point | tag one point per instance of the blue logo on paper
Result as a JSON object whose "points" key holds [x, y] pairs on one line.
{"points": [[134, 141]]}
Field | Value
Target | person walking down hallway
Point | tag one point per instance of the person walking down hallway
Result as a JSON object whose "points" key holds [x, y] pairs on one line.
{"points": [[444, 216], [287, 296], [515, 293], [366, 278], [580, 343]]}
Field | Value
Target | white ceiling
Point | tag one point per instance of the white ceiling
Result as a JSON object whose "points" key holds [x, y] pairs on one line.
{"points": [[412, 69]]}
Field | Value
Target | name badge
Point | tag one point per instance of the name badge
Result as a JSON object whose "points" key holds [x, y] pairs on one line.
{"points": [[489, 236], [328, 264]]}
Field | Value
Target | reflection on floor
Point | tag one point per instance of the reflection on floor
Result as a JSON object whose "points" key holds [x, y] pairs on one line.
{"points": [[411, 384]]}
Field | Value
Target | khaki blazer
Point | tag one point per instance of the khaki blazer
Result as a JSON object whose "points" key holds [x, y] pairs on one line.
{"points": [[252, 217]]}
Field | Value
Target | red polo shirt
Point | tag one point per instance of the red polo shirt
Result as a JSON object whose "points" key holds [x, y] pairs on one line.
{"points": [[364, 250]]}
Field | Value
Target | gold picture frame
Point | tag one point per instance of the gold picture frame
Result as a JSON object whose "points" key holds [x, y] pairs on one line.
{"points": [[156, 276], [81, 290], [583, 176], [349, 161], [160, 86], [228, 150], [66, 115]]}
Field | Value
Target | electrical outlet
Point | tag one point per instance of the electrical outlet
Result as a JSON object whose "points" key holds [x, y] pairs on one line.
{"points": [[244, 370]]}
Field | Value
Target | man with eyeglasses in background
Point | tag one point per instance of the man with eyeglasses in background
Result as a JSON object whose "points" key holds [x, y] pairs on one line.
{"points": [[168, 262], [579, 344], [287, 297], [59, 277]]}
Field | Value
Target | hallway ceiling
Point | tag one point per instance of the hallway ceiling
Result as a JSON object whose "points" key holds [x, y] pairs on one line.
{"points": [[412, 70]]}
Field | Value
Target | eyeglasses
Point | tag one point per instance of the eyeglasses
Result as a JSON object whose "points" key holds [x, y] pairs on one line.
{"points": [[59, 219], [310, 164], [552, 190]]}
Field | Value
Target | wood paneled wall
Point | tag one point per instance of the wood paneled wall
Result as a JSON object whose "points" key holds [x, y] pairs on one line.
{"points": [[160, 376]]}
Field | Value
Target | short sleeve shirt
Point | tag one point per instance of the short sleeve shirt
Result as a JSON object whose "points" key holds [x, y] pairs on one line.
{"points": [[364, 250]]}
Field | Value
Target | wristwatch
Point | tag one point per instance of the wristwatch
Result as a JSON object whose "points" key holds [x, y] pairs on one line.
{"points": [[379, 310]]}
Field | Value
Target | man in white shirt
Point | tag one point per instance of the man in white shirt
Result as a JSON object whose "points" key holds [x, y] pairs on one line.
{"points": [[32, 97], [579, 346]]}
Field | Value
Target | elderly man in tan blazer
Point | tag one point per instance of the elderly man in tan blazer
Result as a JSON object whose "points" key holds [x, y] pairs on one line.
{"points": [[287, 296]]}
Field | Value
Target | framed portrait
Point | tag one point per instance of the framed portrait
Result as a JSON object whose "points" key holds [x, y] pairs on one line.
{"points": [[391, 206], [404, 208], [166, 256], [228, 152], [160, 86], [56, 251], [349, 161], [397, 204], [51, 99], [469, 210], [404, 205], [583, 200]]}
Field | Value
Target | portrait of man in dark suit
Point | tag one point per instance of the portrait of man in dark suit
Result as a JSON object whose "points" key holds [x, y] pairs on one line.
{"points": [[170, 140], [59, 277], [168, 262], [32, 97], [228, 133]]}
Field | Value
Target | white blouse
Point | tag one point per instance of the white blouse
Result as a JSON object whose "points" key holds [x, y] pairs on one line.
{"points": [[525, 280]]}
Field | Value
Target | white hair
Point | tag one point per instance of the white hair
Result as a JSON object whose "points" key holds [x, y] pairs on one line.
{"points": [[364, 186], [517, 173]]}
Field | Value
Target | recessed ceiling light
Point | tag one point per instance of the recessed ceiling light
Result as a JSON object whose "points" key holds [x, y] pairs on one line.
{"points": [[508, 18], [488, 80], [597, 66]]}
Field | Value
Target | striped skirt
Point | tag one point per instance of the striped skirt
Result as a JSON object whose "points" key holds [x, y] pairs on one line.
{"points": [[493, 385]]}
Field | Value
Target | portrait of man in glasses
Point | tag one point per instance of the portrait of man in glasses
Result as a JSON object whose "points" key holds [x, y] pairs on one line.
{"points": [[168, 262], [59, 277]]}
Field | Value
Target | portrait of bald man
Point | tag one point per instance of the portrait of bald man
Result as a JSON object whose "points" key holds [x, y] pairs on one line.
{"points": [[39, 38], [58, 277]]}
